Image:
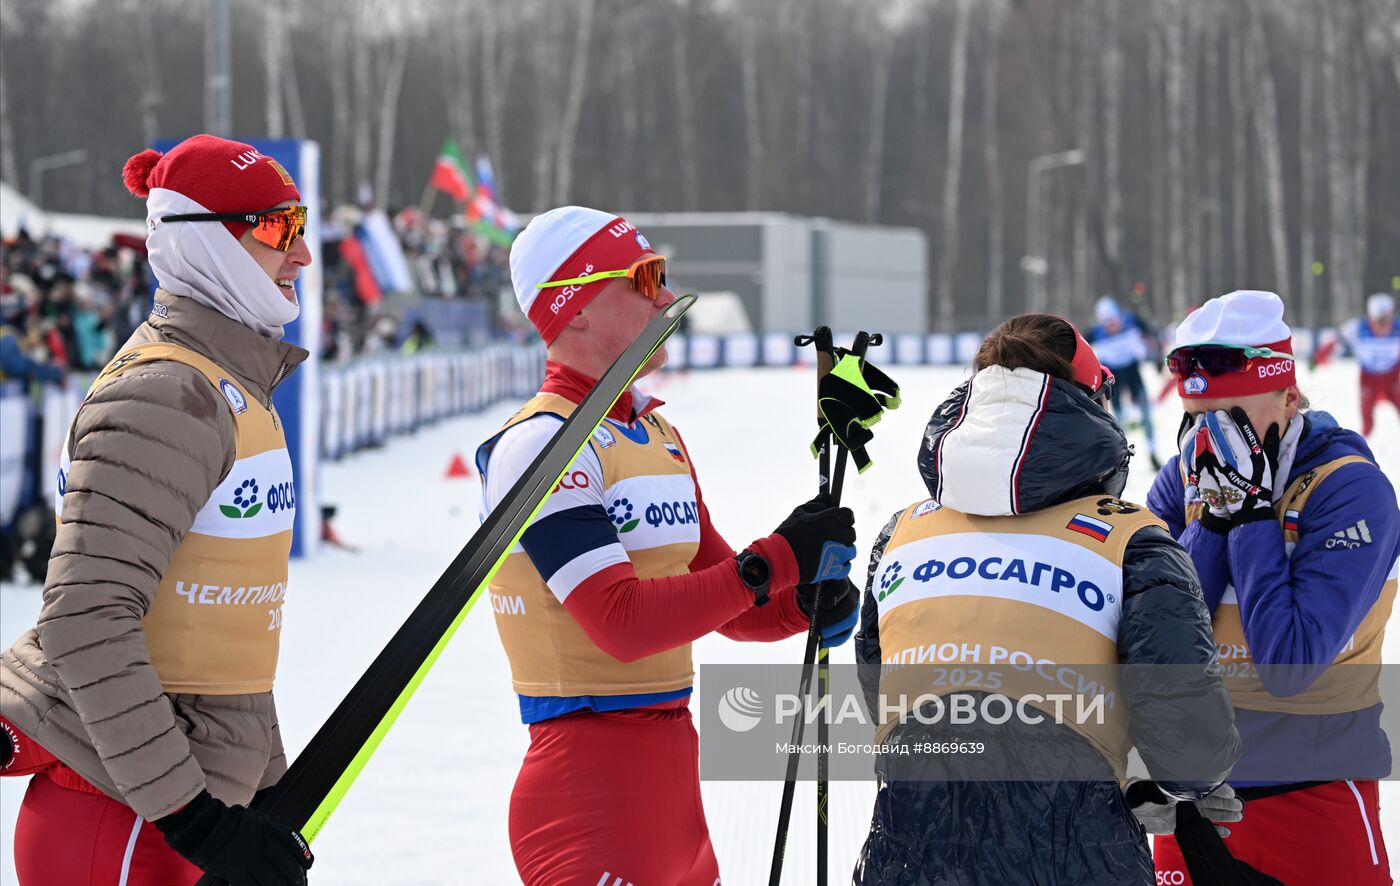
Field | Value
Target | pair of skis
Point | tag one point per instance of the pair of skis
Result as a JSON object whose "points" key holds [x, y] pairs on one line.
{"points": [[326, 768]]}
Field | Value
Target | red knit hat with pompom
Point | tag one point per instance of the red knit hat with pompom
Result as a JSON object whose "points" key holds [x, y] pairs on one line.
{"points": [[218, 174]]}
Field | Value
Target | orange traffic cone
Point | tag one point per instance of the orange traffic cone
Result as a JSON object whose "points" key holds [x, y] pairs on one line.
{"points": [[457, 467]]}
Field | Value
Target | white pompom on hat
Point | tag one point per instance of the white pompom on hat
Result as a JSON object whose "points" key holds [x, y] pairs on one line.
{"points": [[1246, 317]]}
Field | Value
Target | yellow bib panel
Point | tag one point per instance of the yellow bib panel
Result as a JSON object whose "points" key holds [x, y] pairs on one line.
{"points": [[1024, 606], [216, 624], [1355, 686], [652, 500]]}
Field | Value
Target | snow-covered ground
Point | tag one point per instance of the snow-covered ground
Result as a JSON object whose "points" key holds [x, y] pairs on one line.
{"points": [[430, 808]]}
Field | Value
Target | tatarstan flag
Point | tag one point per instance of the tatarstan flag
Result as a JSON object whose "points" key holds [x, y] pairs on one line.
{"points": [[450, 172]]}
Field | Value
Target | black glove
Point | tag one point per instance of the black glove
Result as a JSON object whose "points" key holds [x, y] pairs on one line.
{"points": [[1231, 467], [1156, 811], [836, 610], [822, 539], [241, 845]]}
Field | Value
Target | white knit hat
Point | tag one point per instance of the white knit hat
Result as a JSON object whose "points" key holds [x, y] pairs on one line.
{"points": [[562, 244], [1247, 317], [1378, 305], [1106, 309]]}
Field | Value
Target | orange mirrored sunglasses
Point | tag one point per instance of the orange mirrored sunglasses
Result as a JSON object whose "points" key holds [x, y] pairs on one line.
{"points": [[646, 276], [278, 228]]}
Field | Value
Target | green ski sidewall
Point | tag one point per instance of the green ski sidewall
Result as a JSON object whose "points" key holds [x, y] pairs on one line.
{"points": [[318, 818]]}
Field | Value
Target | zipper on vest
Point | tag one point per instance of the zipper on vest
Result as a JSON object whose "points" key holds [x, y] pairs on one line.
{"points": [[276, 380]]}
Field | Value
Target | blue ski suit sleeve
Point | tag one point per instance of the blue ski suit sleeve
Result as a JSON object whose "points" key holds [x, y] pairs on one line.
{"points": [[1165, 498], [1207, 548], [1302, 610]]}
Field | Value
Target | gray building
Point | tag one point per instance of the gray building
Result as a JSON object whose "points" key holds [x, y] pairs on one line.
{"points": [[793, 273]]}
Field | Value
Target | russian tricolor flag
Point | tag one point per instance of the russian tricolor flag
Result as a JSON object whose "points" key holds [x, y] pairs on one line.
{"points": [[675, 452], [1290, 521], [1095, 529]]}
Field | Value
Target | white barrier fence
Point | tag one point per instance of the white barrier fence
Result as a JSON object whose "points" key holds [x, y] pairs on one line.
{"points": [[28, 423], [367, 401]]}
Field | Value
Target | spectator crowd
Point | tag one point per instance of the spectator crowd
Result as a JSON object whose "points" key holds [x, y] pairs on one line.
{"points": [[66, 309]]}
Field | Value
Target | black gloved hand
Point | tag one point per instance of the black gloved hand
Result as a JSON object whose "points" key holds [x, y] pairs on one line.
{"points": [[822, 539], [836, 609], [241, 845], [1232, 469]]}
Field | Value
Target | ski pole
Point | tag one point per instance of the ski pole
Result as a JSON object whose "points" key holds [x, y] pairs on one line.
{"points": [[831, 484]]}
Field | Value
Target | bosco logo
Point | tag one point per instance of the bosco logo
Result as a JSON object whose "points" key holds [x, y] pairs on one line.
{"points": [[572, 480], [1270, 369]]}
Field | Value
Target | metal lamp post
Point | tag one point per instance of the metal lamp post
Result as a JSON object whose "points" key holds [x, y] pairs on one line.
{"points": [[1035, 263], [41, 165]]}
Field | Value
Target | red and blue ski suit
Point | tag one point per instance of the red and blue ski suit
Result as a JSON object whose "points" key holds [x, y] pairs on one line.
{"points": [[619, 572]]}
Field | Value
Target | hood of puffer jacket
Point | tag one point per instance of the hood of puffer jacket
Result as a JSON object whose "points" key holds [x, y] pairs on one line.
{"points": [[1012, 441]]}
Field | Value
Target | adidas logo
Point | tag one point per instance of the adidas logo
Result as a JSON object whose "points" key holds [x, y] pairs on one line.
{"points": [[1350, 538]]}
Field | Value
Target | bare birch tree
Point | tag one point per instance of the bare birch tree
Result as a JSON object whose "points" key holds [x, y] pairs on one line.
{"points": [[9, 169], [753, 122], [388, 117], [1340, 196], [273, 17], [1174, 21], [291, 84], [1082, 285], [1307, 248], [1238, 47], [1265, 117], [1112, 73], [497, 65], [952, 174], [1360, 154], [880, 51], [573, 107], [688, 136], [340, 78], [360, 64], [991, 157]]}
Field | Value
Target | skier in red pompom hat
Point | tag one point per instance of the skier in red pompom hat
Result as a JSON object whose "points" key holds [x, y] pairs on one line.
{"points": [[141, 702]]}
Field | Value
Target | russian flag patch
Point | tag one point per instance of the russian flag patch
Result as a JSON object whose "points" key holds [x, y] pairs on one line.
{"points": [[1290, 521], [1095, 529], [675, 452]]}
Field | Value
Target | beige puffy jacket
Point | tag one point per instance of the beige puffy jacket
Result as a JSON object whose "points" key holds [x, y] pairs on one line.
{"points": [[147, 449]]}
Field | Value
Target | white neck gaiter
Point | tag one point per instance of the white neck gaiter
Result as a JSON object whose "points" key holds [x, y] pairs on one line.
{"points": [[202, 261]]}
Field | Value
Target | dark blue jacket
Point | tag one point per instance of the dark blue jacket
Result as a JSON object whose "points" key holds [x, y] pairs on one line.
{"points": [[1299, 611], [1057, 832]]}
